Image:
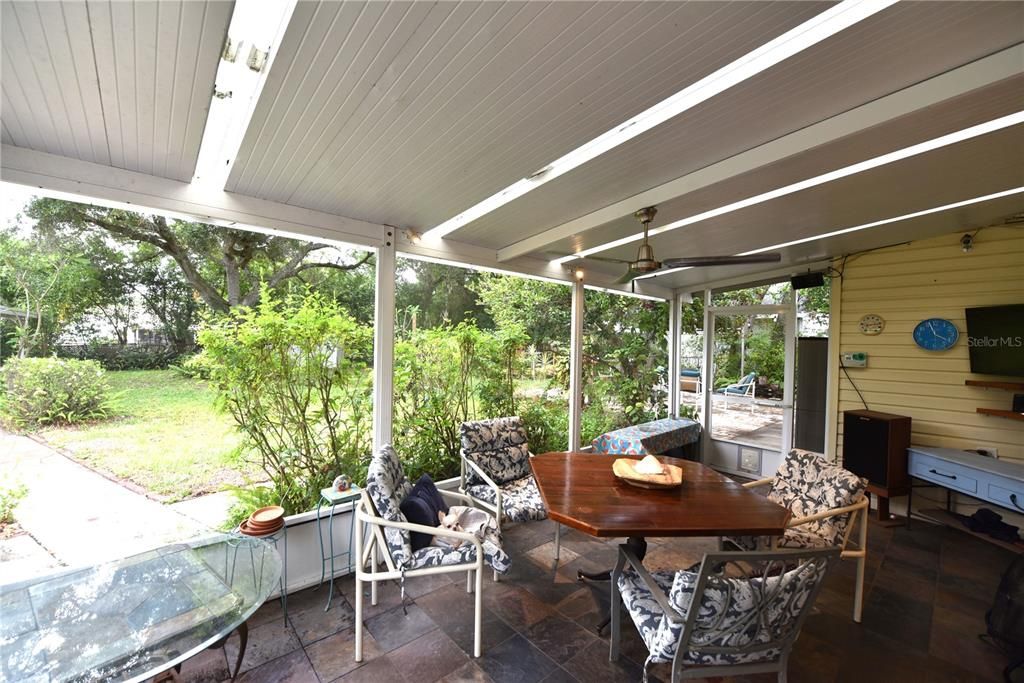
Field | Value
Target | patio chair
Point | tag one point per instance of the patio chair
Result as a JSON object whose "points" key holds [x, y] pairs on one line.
{"points": [[827, 503], [744, 389], [389, 539], [496, 472], [749, 610]]}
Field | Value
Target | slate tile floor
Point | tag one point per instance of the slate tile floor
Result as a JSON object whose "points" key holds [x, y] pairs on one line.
{"points": [[927, 592]]}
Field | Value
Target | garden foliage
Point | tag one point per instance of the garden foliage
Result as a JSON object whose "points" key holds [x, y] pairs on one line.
{"points": [[45, 391], [122, 356], [294, 374]]}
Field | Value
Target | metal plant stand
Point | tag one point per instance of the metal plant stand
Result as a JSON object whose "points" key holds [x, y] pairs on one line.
{"points": [[329, 500]]}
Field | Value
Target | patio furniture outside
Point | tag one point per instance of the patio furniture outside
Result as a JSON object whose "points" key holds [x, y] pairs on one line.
{"points": [[389, 540], [130, 619], [827, 502], [714, 623]]}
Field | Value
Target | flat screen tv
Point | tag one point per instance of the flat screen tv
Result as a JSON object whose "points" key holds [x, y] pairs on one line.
{"points": [[995, 340]]}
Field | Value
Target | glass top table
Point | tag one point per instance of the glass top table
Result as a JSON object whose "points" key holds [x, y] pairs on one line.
{"points": [[132, 618]]}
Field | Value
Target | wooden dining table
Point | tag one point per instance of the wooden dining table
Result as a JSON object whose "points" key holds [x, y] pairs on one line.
{"points": [[581, 491]]}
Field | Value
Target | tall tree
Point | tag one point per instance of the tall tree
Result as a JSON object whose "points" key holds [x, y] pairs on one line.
{"points": [[48, 283], [224, 266]]}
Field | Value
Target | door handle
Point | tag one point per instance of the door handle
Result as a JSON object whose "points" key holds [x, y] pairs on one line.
{"points": [[1013, 499], [947, 476]]}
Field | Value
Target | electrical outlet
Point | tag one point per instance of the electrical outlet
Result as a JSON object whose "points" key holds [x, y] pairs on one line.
{"points": [[987, 451]]}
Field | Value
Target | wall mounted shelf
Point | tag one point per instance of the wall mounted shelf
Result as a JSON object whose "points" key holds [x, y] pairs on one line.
{"points": [[1008, 386]]}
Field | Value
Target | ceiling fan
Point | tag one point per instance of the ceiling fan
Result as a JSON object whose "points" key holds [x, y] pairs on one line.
{"points": [[646, 264]]}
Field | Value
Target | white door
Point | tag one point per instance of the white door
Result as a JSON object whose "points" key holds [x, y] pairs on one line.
{"points": [[748, 401]]}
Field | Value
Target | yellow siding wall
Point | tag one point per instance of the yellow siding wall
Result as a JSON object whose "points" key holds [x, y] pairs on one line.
{"points": [[931, 279]]}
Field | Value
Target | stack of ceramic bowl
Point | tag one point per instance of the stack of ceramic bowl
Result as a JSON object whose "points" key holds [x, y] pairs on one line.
{"points": [[264, 521]]}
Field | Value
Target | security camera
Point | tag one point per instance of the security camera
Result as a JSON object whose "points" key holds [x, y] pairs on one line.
{"points": [[967, 243]]}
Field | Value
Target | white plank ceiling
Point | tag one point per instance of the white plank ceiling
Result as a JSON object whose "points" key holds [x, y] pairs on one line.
{"points": [[411, 112], [116, 83], [407, 113]]}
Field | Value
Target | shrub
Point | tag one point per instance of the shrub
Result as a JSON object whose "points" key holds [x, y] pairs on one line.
{"points": [[546, 423], [122, 357], [44, 391], [293, 373], [194, 366], [10, 495]]}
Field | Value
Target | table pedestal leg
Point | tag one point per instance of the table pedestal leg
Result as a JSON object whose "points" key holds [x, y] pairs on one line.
{"points": [[635, 543]]}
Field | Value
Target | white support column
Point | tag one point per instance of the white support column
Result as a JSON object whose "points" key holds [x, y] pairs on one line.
{"points": [[707, 374], [674, 320], [576, 365], [384, 342], [832, 383]]}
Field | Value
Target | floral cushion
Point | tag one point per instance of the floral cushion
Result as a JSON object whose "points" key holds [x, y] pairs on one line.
{"points": [[465, 553], [387, 486], [499, 447], [520, 499], [806, 484], [728, 616]]}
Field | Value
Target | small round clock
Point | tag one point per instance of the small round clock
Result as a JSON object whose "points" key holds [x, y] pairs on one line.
{"points": [[871, 324], [936, 334]]}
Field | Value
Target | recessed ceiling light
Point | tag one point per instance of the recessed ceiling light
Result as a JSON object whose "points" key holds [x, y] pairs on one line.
{"points": [[865, 226], [807, 34], [898, 155]]}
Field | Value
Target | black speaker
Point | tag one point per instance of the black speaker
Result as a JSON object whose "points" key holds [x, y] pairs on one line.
{"points": [[875, 447], [1018, 403], [807, 280]]}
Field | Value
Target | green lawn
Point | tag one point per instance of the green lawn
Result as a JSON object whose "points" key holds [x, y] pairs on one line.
{"points": [[166, 437]]}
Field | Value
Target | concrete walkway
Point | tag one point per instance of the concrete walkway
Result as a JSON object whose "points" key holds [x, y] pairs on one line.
{"points": [[79, 517]]}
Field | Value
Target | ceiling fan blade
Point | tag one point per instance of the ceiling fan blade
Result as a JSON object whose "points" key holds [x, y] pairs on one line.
{"points": [[698, 261], [605, 259], [628, 277]]}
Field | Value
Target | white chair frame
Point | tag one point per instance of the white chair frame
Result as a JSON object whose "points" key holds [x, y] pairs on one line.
{"points": [[375, 550], [680, 671], [495, 508], [858, 517]]}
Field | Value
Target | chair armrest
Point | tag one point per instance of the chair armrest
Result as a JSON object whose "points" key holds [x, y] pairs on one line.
{"points": [[455, 495], [759, 482], [421, 528], [480, 473], [828, 513], [656, 592]]}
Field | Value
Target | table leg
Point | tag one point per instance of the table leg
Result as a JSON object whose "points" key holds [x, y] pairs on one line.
{"points": [[330, 536], [635, 543], [243, 640], [320, 537]]}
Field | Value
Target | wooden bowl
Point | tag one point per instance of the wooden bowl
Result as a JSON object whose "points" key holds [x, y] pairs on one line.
{"points": [[670, 478]]}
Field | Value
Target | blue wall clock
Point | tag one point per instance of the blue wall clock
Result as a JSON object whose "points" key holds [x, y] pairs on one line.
{"points": [[936, 334]]}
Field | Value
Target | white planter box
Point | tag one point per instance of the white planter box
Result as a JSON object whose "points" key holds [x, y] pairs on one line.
{"points": [[303, 553]]}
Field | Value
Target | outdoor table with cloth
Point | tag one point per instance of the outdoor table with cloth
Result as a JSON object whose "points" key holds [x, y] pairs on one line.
{"points": [[666, 436]]}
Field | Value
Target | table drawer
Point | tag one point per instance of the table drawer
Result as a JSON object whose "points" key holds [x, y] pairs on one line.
{"points": [[1010, 498], [947, 474]]}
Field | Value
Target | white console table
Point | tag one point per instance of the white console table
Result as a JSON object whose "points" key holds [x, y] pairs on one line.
{"points": [[998, 482]]}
